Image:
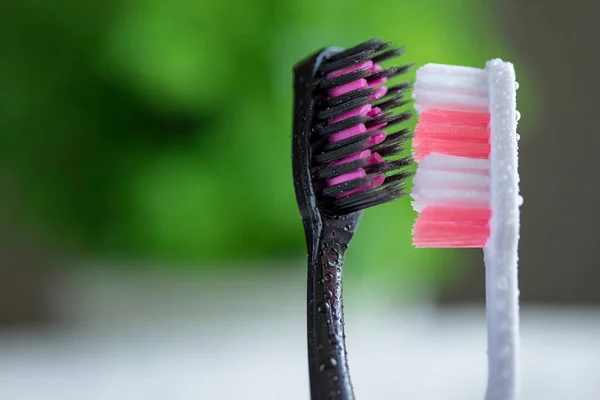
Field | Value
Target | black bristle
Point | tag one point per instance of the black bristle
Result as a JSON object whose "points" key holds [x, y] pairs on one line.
{"points": [[326, 130], [352, 59], [389, 72], [337, 170], [393, 102], [369, 198], [392, 166], [340, 109], [347, 142], [338, 189], [393, 144], [373, 45], [399, 88], [389, 166], [355, 94], [388, 55], [388, 118], [352, 146]]}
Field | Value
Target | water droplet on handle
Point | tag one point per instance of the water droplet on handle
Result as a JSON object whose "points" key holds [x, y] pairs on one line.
{"points": [[323, 308], [332, 255]]}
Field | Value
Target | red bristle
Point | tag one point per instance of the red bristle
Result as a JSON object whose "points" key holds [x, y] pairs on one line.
{"points": [[451, 132], [445, 227], [460, 118]]}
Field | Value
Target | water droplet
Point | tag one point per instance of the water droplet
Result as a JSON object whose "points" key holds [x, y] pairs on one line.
{"points": [[328, 277], [322, 367], [516, 85], [348, 227], [518, 137], [328, 294], [332, 255], [333, 362], [517, 115], [323, 308], [520, 200]]}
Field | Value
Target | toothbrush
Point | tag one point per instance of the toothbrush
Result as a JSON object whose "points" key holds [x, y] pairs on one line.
{"points": [[345, 159], [466, 191]]}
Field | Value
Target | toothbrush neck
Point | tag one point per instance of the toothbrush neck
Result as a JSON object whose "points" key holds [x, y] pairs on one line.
{"points": [[328, 364]]}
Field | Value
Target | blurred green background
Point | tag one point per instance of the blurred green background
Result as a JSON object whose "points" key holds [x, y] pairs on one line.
{"points": [[150, 243], [160, 130]]}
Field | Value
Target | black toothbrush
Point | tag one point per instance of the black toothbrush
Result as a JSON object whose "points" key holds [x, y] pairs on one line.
{"points": [[342, 163]]}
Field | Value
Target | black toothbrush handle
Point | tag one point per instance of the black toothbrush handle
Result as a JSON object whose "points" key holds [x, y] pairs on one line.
{"points": [[328, 363]]}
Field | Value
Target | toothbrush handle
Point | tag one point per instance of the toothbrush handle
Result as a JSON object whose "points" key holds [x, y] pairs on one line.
{"points": [[328, 364]]}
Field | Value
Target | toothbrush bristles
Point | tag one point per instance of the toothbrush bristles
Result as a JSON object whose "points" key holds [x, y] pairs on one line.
{"points": [[357, 164]]}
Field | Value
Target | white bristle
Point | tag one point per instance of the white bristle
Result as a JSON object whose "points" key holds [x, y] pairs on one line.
{"points": [[453, 70], [450, 101], [458, 198], [449, 180], [448, 162], [449, 87], [476, 85]]}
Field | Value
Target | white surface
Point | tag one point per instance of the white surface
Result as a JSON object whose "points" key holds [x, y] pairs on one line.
{"points": [[135, 337]]}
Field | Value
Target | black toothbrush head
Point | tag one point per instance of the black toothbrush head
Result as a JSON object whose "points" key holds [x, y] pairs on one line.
{"points": [[346, 144]]}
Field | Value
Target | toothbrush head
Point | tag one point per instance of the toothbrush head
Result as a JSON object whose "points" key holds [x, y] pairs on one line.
{"points": [[345, 156], [466, 185]]}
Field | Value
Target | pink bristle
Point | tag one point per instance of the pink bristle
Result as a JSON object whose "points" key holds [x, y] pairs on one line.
{"points": [[460, 118], [426, 146], [340, 90], [375, 112], [455, 133], [346, 133], [375, 158], [377, 138], [367, 110], [377, 68], [380, 92], [449, 224], [357, 173], [444, 227], [377, 181], [470, 134]]}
